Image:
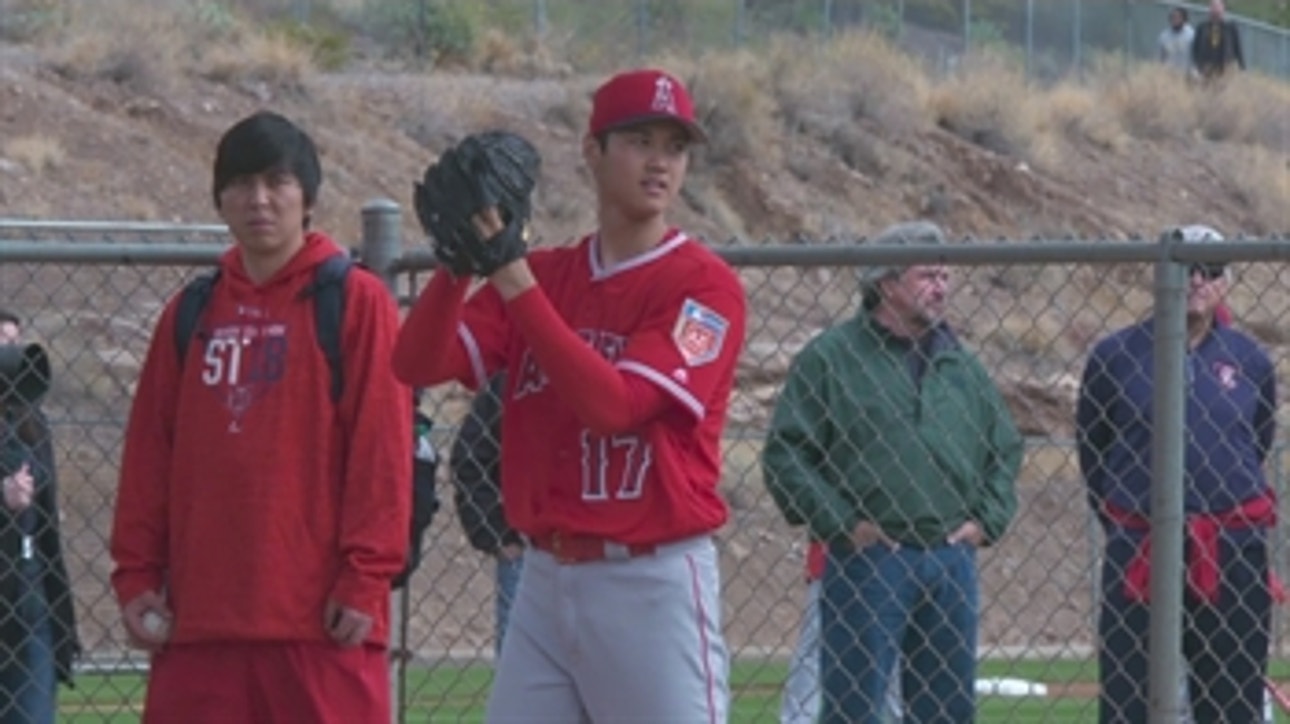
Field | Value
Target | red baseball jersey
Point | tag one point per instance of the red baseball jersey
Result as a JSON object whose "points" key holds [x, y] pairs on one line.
{"points": [[675, 317]]}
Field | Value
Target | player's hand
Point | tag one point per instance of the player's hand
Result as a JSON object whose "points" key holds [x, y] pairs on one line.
{"points": [[488, 223], [867, 533], [147, 621], [969, 533], [346, 626], [19, 489]]}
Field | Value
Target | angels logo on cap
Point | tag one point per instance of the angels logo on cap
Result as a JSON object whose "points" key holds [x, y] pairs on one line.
{"points": [[664, 98], [641, 96]]}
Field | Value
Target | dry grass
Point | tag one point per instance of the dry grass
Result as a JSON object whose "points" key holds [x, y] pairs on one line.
{"points": [[1262, 179], [736, 108], [1246, 108], [857, 75], [1075, 113], [104, 42], [498, 52], [988, 102], [37, 153], [1151, 101], [148, 46], [268, 58]]}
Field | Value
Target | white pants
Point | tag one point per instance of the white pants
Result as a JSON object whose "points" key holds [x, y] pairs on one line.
{"points": [[635, 640]]}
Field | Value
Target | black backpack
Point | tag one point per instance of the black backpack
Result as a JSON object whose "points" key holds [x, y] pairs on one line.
{"points": [[328, 293]]}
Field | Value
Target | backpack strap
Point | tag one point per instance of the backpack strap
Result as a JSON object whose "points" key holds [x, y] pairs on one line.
{"points": [[192, 301], [328, 293]]}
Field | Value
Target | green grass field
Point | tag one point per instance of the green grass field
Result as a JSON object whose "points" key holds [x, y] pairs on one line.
{"points": [[457, 694]]}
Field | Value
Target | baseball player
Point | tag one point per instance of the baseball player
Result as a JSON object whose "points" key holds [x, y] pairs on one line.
{"points": [[620, 352]]}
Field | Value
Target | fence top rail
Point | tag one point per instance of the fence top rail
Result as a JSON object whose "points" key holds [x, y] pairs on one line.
{"points": [[748, 255], [109, 227], [100, 253], [968, 253]]}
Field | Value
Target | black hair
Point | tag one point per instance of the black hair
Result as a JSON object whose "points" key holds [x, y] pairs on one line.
{"points": [[8, 316], [266, 141], [870, 298]]}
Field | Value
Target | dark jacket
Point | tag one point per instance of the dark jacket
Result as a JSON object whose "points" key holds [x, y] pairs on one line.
{"points": [[1230, 421], [425, 497], [476, 472], [855, 437], [1216, 46], [34, 445]]}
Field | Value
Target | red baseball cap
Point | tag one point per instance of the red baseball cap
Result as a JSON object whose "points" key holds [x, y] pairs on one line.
{"points": [[641, 96]]}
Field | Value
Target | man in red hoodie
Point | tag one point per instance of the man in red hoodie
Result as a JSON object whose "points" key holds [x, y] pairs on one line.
{"points": [[259, 520]]}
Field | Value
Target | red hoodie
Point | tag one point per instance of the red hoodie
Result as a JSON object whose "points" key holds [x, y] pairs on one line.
{"points": [[246, 491]]}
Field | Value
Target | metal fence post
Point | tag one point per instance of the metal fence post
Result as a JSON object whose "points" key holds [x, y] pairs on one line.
{"points": [[382, 242], [739, 32], [1030, 39], [1279, 546], [1077, 42], [380, 247], [642, 28], [540, 20], [1165, 665]]}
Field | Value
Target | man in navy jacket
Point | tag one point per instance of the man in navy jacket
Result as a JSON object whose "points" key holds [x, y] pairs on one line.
{"points": [[1230, 508]]}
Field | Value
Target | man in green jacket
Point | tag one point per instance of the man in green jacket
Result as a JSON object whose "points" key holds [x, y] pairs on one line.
{"points": [[892, 444]]}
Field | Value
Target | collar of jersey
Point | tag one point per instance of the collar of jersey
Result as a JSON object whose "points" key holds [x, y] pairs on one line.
{"points": [[671, 240]]}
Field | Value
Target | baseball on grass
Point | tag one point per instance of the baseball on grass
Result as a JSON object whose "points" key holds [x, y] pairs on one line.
{"points": [[155, 624]]}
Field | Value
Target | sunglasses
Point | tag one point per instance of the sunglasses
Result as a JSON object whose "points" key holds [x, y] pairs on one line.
{"points": [[1208, 272]]}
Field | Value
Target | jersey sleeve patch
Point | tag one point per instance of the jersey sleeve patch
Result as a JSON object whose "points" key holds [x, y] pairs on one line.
{"points": [[699, 333]]}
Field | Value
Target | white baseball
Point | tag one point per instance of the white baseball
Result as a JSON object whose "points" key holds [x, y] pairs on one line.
{"points": [[155, 624]]}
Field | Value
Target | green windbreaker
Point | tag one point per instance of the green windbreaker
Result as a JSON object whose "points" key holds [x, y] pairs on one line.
{"points": [[853, 438]]}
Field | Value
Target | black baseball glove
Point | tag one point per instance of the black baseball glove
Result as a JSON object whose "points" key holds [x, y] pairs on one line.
{"points": [[492, 169]]}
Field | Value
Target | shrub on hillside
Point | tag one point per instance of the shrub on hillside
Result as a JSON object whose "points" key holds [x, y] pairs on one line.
{"points": [[1246, 108], [26, 20], [732, 92], [437, 30], [1152, 101], [856, 75], [327, 46], [988, 103]]}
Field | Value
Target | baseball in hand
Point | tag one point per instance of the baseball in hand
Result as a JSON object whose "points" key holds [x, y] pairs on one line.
{"points": [[155, 624]]}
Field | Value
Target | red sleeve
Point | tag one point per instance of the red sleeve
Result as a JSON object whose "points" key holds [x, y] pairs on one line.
{"points": [[485, 335], [427, 351], [573, 367], [140, 525], [691, 339], [376, 411], [816, 553], [1223, 315]]}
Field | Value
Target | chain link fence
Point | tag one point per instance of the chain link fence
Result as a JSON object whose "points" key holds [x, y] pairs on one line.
{"points": [[1031, 310]]}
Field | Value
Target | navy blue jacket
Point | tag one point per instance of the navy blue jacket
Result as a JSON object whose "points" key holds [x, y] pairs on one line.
{"points": [[477, 472], [1229, 428]]}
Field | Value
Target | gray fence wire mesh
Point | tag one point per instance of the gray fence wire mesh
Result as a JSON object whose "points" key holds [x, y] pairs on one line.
{"points": [[1030, 309]]}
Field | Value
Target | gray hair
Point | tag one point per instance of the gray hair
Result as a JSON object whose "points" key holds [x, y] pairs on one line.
{"points": [[1199, 234], [903, 234]]}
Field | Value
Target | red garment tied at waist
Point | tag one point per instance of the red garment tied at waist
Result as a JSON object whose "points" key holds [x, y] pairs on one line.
{"points": [[1203, 566]]}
